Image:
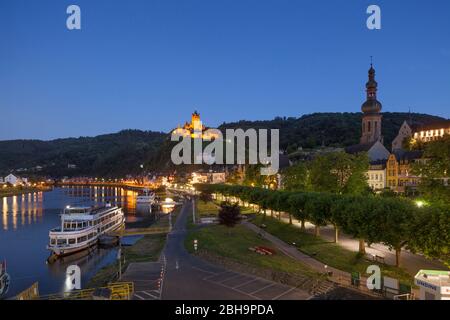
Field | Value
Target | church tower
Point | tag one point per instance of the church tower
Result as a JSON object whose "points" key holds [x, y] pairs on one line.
{"points": [[371, 120]]}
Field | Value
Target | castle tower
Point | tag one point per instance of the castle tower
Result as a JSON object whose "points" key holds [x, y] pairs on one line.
{"points": [[196, 125], [195, 117], [371, 120]]}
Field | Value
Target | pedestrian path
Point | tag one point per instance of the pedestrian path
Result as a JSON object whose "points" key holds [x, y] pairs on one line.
{"points": [[411, 262], [292, 252], [336, 275]]}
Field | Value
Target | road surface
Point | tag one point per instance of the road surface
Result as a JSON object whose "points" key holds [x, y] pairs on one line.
{"points": [[187, 277]]}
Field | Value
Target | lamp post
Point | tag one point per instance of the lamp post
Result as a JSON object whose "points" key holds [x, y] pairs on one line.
{"points": [[119, 257], [193, 210]]}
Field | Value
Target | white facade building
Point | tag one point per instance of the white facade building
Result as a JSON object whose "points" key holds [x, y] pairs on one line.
{"points": [[208, 177], [12, 179], [404, 133], [376, 175], [433, 284]]}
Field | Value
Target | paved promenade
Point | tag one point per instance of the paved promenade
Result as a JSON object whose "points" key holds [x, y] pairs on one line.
{"points": [[411, 262]]}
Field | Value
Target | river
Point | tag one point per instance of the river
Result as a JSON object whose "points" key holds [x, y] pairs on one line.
{"points": [[24, 225]]}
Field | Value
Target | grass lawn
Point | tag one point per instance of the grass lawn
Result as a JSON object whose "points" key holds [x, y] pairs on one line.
{"points": [[206, 209], [146, 249], [246, 210], [234, 244], [211, 209], [327, 252]]}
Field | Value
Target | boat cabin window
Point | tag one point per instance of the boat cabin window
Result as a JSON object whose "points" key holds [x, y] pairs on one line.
{"points": [[72, 241], [82, 239], [76, 210], [61, 242], [53, 241]]}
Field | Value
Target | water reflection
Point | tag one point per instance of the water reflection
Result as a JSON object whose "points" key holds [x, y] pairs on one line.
{"points": [[27, 209], [117, 196], [26, 220], [21, 210], [5, 214]]}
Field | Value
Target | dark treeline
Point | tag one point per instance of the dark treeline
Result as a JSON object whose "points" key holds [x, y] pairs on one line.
{"points": [[109, 155], [118, 154], [330, 129]]}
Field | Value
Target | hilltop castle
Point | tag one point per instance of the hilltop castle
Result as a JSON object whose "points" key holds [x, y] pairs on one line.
{"points": [[195, 129]]}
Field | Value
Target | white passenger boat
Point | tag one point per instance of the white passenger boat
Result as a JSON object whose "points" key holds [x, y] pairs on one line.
{"points": [[81, 228], [147, 197]]}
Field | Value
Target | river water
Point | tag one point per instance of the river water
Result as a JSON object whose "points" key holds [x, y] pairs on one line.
{"points": [[25, 221]]}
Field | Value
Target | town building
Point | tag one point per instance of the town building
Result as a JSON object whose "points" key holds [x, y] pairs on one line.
{"points": [[399, 171], [404, 132], [433, 284], [208, 177], [12, 179], [420, 133], [432, 132], [376, 175]]}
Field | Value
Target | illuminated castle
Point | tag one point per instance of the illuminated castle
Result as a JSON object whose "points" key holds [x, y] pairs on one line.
{"points": [[195, 129]]}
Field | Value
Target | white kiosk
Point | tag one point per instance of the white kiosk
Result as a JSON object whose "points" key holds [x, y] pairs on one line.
{"points": [[433, 284]]}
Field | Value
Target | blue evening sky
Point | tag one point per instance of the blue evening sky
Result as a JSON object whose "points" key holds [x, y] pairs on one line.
{"points": [[147, 64]]}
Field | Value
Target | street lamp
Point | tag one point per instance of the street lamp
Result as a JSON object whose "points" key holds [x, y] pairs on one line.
{"points": [[420, 203]]}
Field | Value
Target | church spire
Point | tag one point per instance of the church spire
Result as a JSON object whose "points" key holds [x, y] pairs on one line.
{"points": [[371, 105], [371, 85], [371, 108]]}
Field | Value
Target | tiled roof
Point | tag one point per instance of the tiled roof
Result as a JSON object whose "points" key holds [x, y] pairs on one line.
{"points": [[357, 148]]}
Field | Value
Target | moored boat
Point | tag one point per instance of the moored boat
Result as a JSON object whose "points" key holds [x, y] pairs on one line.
{"points": [[147, 197], [81, 228], [5, 280]]}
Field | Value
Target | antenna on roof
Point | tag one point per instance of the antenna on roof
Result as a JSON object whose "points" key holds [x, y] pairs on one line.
{"points": [[371, 61]]}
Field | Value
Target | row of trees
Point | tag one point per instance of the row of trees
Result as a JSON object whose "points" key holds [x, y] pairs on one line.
{"points": [[334, 172], [434, 170], [395, 222]]}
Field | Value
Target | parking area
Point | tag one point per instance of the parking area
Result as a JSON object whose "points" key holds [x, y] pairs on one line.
{"points": [[254, 287], [147, 278]]}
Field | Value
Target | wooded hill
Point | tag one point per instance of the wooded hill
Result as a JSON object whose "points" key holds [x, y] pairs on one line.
{"points": [[118, 154]]}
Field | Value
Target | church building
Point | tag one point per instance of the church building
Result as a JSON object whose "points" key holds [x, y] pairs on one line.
{"points": [[371, 140]]}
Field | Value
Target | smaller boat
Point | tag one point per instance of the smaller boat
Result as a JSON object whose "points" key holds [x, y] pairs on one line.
{"points": [[147, 197], [5, 280]]}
